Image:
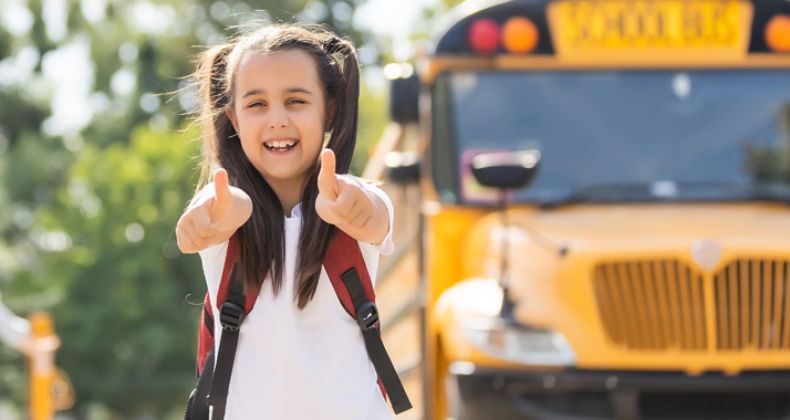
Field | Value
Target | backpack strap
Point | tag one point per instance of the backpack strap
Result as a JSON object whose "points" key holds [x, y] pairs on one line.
{"points": [[231, 315], [233, 305], [349, 275], [205, 335], [206, 331]]}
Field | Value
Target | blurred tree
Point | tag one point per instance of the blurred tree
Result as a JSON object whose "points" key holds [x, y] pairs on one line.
{"points": [[431, 14], [95, 169]]}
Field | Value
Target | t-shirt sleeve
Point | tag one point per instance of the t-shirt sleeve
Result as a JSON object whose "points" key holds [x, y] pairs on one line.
{"points": [[386, 246], [213, 259]]}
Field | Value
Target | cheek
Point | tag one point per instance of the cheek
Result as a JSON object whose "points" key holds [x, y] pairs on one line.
{"points": [[248, 139], [312, 127]]}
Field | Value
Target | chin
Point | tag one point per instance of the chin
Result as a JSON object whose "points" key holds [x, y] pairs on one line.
{"points": [[284, 175]]}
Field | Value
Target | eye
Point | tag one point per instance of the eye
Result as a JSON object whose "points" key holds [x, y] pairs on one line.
{"points": [[255, 104], [296, 101]]}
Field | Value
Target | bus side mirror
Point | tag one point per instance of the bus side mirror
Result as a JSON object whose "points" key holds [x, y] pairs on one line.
{"points": [[404, 99], [506, 170], [402, 167]]}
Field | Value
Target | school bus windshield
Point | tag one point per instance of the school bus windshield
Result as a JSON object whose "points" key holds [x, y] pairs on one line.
{"points": [[619, 135]]}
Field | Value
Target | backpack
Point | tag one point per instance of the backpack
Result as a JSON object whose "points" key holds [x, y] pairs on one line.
{"points": [[349, 277]]}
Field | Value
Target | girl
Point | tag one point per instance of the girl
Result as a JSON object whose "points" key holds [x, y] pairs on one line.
{"points": [[271, 101]]}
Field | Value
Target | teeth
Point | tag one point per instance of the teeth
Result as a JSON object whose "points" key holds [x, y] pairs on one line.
{"points": [[281, 144]]}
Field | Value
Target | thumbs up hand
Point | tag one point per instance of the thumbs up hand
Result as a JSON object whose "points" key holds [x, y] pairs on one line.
{"points": [[343, 202], [222, 202], [214, 217]]}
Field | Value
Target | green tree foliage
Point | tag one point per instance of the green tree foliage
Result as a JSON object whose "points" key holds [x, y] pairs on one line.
{"points": [[95, 169]]}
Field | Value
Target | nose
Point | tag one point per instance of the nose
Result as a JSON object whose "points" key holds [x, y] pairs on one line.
{"points": [[278, 117]]}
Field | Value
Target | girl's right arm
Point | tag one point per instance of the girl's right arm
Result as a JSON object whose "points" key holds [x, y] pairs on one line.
{"points": [[214, 216]]}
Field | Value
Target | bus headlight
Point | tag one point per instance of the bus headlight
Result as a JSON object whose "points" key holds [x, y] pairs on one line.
{"points": [[518, 343]]}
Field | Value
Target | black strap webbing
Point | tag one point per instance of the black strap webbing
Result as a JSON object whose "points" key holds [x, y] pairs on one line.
{"points": [[376, 351], [218, 396], [197, 407], [208, 319]]}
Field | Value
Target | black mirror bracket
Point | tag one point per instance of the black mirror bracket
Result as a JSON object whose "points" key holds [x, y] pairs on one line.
{"points": [[507, 171], [506, 312]]}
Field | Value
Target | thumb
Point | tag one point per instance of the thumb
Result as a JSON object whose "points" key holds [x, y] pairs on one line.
{"points": [[327, 180], [223, 200]]}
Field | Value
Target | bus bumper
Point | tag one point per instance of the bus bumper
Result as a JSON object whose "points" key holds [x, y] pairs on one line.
{"points": [[599, 395]]}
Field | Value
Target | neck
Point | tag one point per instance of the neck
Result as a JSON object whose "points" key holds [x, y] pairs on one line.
{"points": [[289, 191]]}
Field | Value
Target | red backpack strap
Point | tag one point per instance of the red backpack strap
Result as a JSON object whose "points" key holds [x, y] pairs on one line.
{"points": [[206, 331], [205, 335], [349, 275], [344, 254], [231, 258]]}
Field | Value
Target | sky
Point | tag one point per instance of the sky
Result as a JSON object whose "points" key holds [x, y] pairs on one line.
{"points": [[394, 19]]}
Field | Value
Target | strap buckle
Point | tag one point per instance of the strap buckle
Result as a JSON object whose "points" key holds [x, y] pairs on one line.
{"points": [[231, 316], [367, 316]]}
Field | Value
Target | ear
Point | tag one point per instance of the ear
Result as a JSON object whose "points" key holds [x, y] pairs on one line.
{"points": [[231, 113]]}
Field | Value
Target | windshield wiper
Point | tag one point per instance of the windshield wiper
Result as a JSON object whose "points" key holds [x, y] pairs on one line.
{"points": [[603, 193], [662, 191], [771, 192]]}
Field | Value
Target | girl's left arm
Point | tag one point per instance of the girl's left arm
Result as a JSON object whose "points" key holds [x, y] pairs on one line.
{"points": [[345, 203]]}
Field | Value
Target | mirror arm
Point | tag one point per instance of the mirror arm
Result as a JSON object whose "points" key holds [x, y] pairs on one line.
{"points": [[506, 312]]}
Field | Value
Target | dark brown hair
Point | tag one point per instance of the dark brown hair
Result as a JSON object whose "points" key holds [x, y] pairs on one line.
{"points": [[261, 238]]}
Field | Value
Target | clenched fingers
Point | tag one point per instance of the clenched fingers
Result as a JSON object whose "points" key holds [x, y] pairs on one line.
{"points": [[197, 240], [185, 244], [201, 221]]}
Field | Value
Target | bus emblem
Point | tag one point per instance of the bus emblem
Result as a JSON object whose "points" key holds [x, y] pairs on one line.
{"points": [[706, 253]]}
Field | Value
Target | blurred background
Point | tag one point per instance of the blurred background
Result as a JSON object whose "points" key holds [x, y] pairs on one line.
{"points": [[97, 161]]}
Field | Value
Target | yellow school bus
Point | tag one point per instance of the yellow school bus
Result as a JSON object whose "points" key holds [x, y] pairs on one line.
{"points": [[593, 220]]}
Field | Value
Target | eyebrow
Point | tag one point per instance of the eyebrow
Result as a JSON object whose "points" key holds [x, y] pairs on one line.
{"points": [[289, 90]]}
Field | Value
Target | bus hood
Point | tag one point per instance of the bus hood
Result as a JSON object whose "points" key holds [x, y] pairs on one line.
{"points": [[629, 284]]}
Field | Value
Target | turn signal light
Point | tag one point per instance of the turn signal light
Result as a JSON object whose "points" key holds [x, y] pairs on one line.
{"points": [[484, 36], [519, 35], [777, 33]]}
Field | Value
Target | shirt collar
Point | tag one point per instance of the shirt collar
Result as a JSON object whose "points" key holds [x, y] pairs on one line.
{"points": [[296, 213]]}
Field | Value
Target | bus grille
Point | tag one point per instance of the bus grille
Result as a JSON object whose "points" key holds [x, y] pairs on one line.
{"points": [[751, 309], [652, 305], [658, 305]]}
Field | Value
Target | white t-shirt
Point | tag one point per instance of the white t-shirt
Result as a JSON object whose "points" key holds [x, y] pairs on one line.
{"points": [[301, 364]]}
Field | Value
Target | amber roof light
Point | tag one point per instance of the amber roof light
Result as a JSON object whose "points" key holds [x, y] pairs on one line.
{"points": [[519, 35], [777, 33]]}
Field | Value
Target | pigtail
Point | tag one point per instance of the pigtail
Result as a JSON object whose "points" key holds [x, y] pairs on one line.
{"points": [[211, 79], [344, 127]]}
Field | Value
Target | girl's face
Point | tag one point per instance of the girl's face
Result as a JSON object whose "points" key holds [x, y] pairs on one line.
{"points": [[279, 113]]}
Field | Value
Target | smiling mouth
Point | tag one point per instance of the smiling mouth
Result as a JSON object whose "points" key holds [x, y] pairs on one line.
{"points": [[281, 146]]}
